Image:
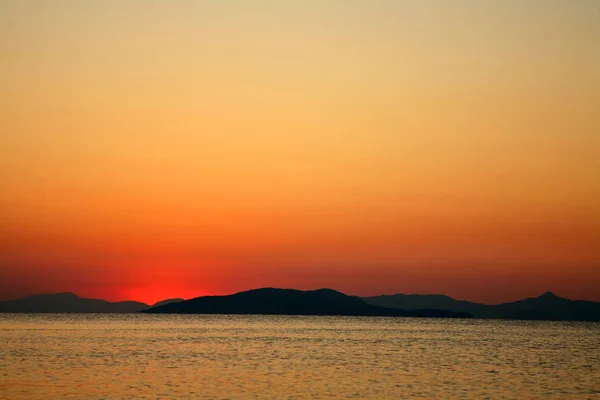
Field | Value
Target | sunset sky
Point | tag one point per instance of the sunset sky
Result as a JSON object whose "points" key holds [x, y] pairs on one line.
{"points": [[153, 149]]}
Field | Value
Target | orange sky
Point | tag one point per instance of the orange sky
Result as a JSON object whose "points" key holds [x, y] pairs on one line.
{"points": [[154, 149]]}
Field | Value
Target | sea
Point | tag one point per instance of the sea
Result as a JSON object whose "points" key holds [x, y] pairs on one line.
{"points": [[141, 356]]}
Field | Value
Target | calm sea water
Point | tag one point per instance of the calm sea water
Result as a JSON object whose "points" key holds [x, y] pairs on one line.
{"points": [[168, 356]]}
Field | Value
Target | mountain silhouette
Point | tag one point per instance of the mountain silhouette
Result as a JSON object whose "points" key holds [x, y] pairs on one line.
{"points": [[318, 302], [545, 307], [272, 301], [71, 303]]}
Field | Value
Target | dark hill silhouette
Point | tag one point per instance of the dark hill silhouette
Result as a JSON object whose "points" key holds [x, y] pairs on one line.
{"points": [[71, 303], [419, 301], [271, 301], [545, 307], [549, 307], [318, 302]]}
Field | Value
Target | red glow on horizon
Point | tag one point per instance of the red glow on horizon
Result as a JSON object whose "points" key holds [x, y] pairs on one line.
{"points": [[152, 294]]}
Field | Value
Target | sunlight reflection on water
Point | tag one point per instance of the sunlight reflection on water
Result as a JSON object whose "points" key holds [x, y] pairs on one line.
{"points": [[166, 356]]}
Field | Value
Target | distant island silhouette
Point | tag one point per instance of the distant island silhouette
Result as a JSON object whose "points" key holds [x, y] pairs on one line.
{"points": [[545, 307], [272, 301], [71, 303]]}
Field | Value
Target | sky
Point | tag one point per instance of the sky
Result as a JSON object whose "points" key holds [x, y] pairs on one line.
{"points": [[153, 149]]}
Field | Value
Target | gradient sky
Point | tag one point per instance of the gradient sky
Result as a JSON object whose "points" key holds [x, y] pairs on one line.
{"points": [[153, 149]]}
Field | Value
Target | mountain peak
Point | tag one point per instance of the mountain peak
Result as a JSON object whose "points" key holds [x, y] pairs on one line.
{"points": [[549, 295]]}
